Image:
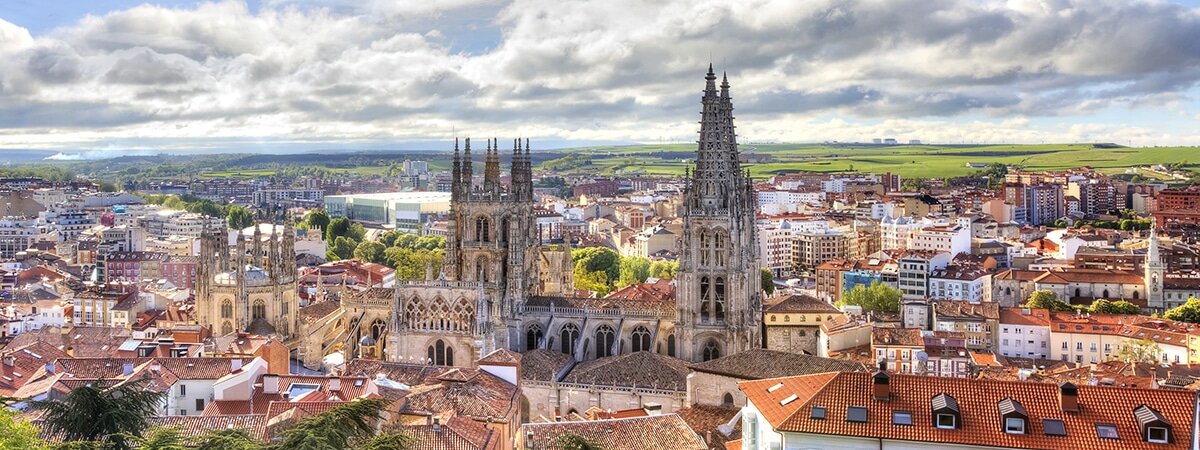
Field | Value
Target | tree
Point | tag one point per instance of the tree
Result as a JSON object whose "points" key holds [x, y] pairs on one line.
{"points": [[768, 281], [205, 207], [341, 248], [388, 238], [163, 438], [337, 228], [878, 297], [633, 270], [337, 428], [576, 442], [227, 439], [1045, 299], [1188, 312], [317, 219], [595, 281], [664, 269], [390, 441], [406, 240], [1103, 306], [356, 231], [598, 259], [17, 433], [238, 217], [97, 412], [1143, 351], [369, 251]]}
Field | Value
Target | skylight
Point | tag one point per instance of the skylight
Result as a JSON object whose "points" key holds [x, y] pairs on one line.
{"points": [[1106, 431], [297, 390], [901, 418], [818, 412], [775, 387], [1054, 427], [856, 414]]}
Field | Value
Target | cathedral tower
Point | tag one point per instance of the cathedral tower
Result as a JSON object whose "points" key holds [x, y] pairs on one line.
{"points": [[719, 288]]}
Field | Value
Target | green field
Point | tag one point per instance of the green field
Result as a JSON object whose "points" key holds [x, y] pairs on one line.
{"points": [[905, 160]]}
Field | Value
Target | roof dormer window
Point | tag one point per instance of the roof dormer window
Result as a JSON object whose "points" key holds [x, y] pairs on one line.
{"points": [[1012, 414], [1154, 427], [946, 414]]}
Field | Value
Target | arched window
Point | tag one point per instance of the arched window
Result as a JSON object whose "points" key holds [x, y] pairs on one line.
{"points": [[568, 337], [1136, 295], [227, 309], [604, 341], [641, 339], [440, 354], [727, 400], [720, 244], [671, 345], [1007, 291], [377, 329], [704, 293], [481, 269], [705, 247], [719, 299], [504, 225], [482, 229], [1077, 292], [259, 311], [533, 336], [711, 350], [226, 328], [1105, 293]]}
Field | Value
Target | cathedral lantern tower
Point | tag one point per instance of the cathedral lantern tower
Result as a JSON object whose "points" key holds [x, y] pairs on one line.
{"points": [[719, 286]]}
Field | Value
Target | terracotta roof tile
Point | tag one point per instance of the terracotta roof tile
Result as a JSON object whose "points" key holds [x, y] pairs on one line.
{"points": [[978, 402], [640, 369], [543, 365], [762, 363], [667, 431]]}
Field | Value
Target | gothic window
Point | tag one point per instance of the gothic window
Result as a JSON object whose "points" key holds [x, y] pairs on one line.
{"points": [[1105, 293], [414, 312], [283, 308], [1077, 292], [482, 229], [464, 316], [604, 341], [641, 339], [504, 225], [226, 309], [719, 299], [569, 336], [259, 311], [226, 328], [704, 299], [440, 354], [439, 316], [711, 350], [1136, 294], [727, 400], [720, 244], [481, 269], [705, 247], [533, 336], [377, 329], [671, 345]]}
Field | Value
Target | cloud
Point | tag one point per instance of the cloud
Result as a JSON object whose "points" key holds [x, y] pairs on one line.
{"points": [[623, 70]]}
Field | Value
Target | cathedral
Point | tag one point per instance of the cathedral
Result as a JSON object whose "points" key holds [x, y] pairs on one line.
{"points": [[505, 285], [254, 289]]}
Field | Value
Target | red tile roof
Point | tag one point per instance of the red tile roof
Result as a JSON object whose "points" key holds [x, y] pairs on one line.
{"points": [[978, 402], [667, 431]]}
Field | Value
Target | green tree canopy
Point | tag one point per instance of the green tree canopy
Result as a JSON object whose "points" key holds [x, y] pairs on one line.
{"points": [[1103, 306], [664, 269], [369, 251], [337, 429], [238, 217], [768, 281], [1045, 299], [1143, 351], [878, 297], [1187, 312], [340, 248], [317, 219], [17, 433], [598, 259], [595, 281], [338, 227], [104, 414], [633, 270]]}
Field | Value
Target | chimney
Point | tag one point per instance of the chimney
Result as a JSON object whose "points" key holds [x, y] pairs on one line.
{"points": [[9, 360], [270, 383], [335, 384], [127, 369], [1068, 396], [235, 364], [883, 390], [653, 409], [437, 425]]}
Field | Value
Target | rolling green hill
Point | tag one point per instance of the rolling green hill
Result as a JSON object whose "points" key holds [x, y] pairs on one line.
{"points": [[905, 160]]}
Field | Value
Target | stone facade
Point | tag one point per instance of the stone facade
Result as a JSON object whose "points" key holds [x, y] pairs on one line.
{"points": [[793, 339], [254, 289]]}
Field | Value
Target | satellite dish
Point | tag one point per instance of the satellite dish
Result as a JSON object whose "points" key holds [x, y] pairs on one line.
{"points": [[922, 356]]}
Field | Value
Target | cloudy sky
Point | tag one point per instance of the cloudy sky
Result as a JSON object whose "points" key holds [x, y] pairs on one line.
{"points": [[277, 74]]}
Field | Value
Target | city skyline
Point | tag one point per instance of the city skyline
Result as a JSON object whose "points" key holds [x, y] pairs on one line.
{"points": [[300, 75]]}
